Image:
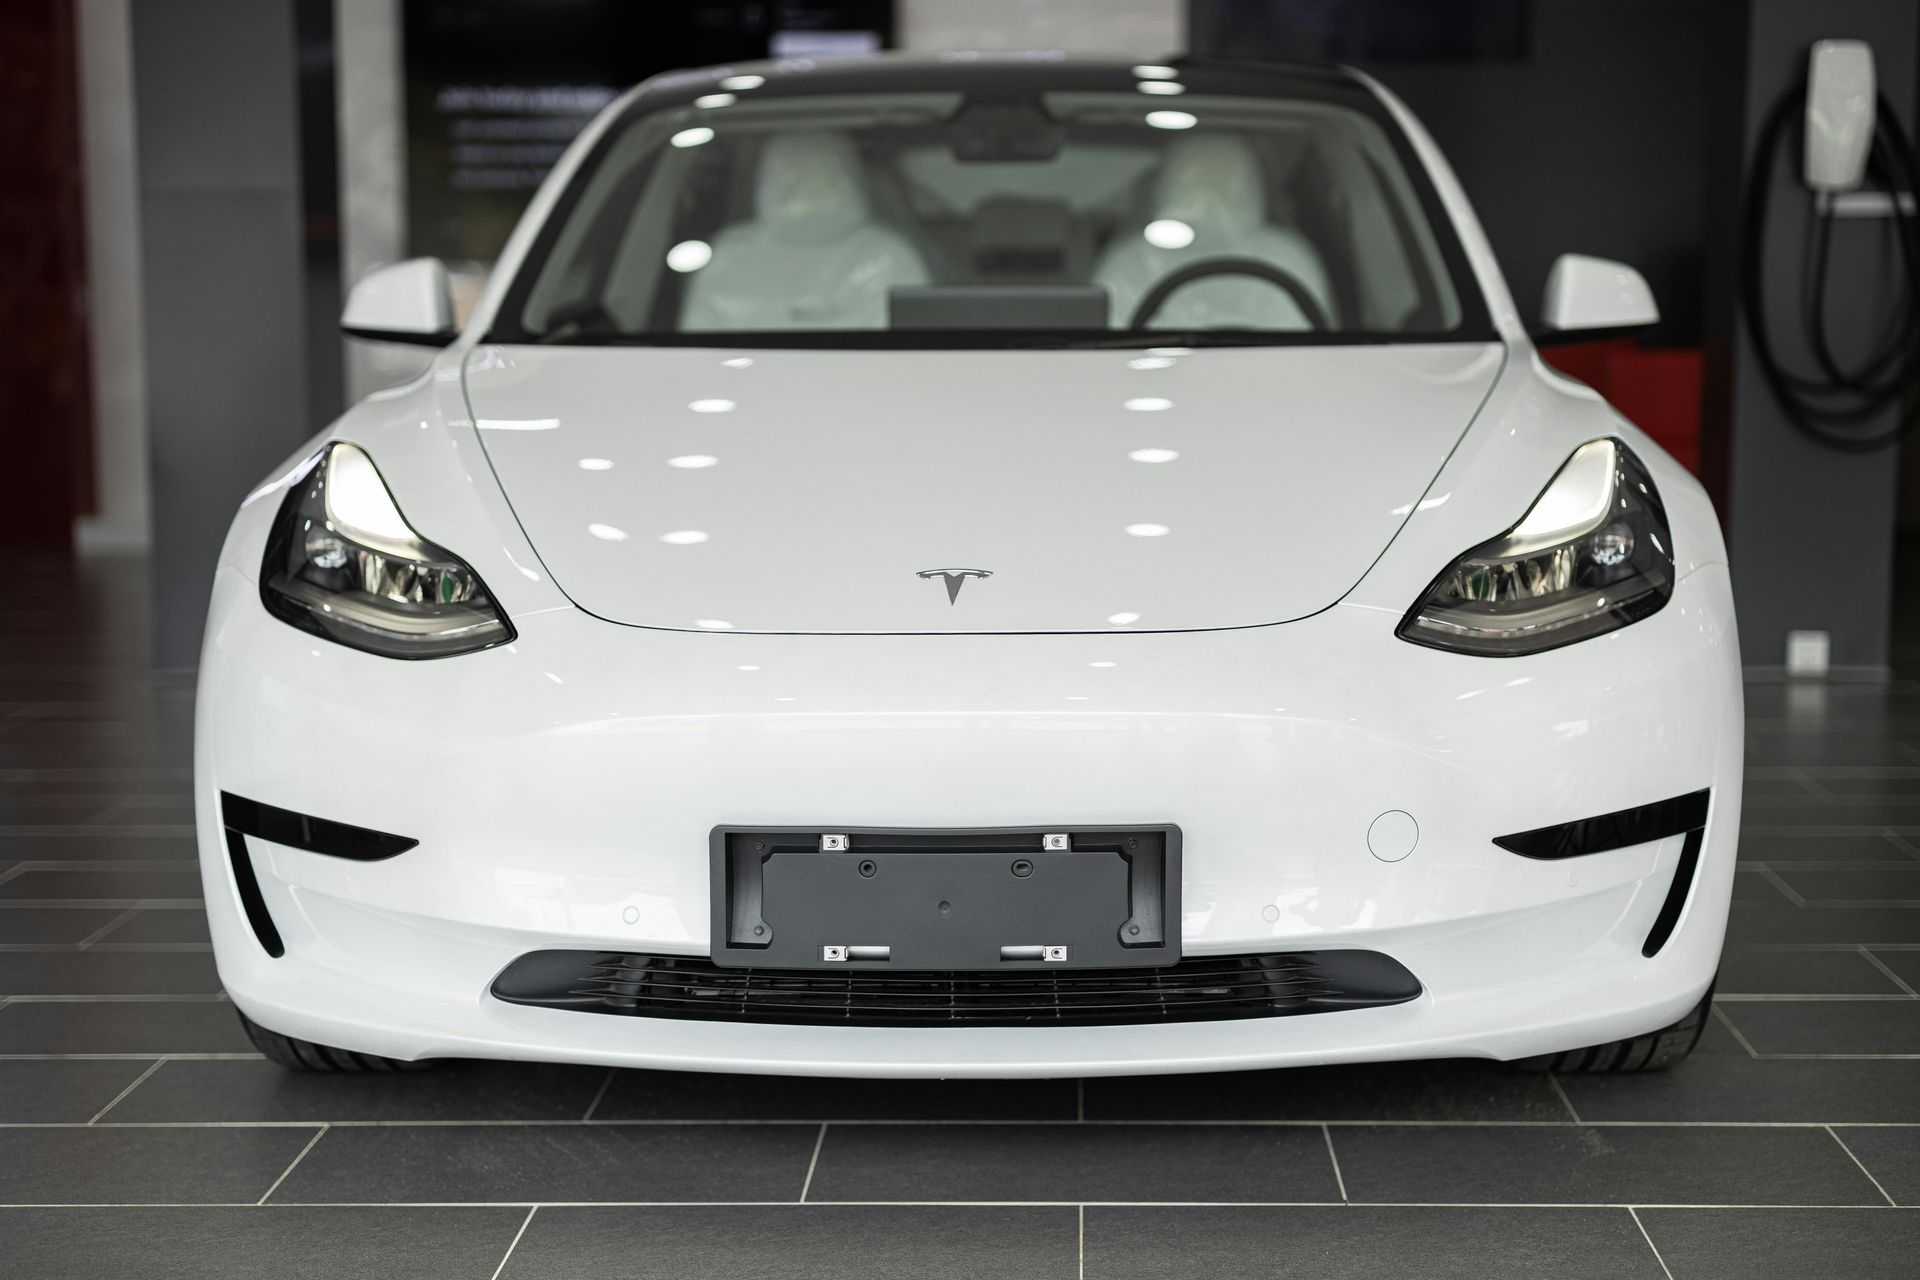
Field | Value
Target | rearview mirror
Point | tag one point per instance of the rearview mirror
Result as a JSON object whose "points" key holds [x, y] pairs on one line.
{"points": [[407, 301], [1592, 297]]}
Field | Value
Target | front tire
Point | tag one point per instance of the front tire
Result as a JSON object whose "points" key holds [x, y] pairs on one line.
{"points": [[304, 1055], [1654, 1051]]}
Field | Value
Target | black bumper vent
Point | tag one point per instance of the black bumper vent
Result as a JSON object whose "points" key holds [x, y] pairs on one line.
{"points": [[1200, 989]]}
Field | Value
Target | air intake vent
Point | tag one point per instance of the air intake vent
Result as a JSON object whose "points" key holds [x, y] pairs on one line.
{"points": [[1200, 989], [251, 900], [1677, 892]]}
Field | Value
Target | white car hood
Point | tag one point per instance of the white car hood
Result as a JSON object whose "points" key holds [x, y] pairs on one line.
{"points": [[838, 477]]}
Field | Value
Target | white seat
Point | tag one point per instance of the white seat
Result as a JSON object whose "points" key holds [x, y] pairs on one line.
{"points": [[1210, 187], [811, 257]]}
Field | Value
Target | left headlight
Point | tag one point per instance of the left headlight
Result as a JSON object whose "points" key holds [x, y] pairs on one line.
{"points": [[1592, 554], [344, 563]]}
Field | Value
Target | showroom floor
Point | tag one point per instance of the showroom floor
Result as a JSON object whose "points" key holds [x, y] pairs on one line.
{"points": [[138, 1136]]}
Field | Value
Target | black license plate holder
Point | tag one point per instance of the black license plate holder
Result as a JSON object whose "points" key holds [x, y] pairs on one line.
{"points": [[920, 900]]}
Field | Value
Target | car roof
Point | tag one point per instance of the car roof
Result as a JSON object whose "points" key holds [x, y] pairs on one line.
{"points": [[1015, 74]]}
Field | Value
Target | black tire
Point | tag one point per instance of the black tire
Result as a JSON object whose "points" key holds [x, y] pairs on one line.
{"points": [[304, 1055], [1655, 1051]]}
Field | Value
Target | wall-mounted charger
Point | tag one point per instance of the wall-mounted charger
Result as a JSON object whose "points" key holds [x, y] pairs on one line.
{"points": [[1840, 101]]}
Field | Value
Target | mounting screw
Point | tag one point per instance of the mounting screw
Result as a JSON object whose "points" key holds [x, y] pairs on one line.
{"points": [[759, 930], [833, 844], [1133, 928], [1057, 841]]}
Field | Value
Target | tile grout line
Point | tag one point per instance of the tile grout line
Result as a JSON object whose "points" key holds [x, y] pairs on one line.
{"points": [[515, 1242], [1863, 1168], [118, 1098], [105, 948], [1338, 1178], [1772, 877], [1812, 784], [1727, 1022], [1900, 842], [70, 904], [311, 1143], [180, 998], [814, 1163], [1910, 1210], [1081, 1211], [604, 1086], [907, 1123], [1553, 1078], [1650, 1244], [1812, 997], [103, 817], [106, 928], [123, 1057], [1895, 978]]}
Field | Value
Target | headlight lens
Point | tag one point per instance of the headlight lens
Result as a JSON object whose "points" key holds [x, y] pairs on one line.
{"points": [[344, 563], [1591, 555]]}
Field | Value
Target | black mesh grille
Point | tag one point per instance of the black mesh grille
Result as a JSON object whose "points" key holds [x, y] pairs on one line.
{"points": [[1203, 989]]}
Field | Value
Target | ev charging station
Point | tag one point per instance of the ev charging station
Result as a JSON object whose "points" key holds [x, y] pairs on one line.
{"points": [[1814, 325]]}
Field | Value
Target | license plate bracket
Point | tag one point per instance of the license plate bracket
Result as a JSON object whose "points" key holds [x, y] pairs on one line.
{"points": [[920, 900]]}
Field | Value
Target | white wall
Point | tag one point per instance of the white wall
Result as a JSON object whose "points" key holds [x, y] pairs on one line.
{"points": [[1141, 28], [120, 523]]}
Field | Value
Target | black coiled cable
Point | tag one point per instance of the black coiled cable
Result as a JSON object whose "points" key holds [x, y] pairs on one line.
{"points": [[1830, 404]]}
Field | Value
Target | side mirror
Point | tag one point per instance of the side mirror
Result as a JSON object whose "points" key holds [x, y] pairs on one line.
{"points": [[409, 301], [1591, 298]]}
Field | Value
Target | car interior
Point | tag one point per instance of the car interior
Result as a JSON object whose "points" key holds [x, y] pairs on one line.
{"points": [[1295, 224]]}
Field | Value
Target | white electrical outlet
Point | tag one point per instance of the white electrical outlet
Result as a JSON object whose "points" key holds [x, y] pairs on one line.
{"points": [[1808, 653]]}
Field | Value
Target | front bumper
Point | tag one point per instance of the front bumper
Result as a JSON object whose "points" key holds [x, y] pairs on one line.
{"points": [[562, 789]]}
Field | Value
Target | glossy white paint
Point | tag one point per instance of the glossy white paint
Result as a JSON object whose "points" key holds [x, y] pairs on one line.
{"points": [[563, 786], [1595, 293], [413, 298], [839, 474]]}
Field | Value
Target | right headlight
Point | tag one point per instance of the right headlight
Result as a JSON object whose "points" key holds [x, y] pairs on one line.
{"points": [[343, 563], [1592, 554]]}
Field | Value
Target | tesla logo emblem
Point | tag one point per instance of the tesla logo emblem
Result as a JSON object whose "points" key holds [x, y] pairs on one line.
{"points": [[954, 578]]}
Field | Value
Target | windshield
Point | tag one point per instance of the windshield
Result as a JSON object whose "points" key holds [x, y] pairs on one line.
{"points": [[938, 219]]}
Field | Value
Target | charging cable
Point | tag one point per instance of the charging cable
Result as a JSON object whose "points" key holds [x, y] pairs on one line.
{"points": [[1831, 404]]}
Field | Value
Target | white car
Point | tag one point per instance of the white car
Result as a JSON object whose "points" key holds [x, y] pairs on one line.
{"points": [[978, 566]]}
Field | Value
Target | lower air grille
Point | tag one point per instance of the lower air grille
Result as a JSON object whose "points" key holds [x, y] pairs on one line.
{"points": [[1201, 989]]}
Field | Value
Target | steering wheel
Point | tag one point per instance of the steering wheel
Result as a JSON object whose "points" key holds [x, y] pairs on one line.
{"points": [[1279, 277]]}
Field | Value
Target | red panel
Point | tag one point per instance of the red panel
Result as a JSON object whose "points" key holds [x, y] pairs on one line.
{"points": [[45, 422], [1659, 392], [1657, 389]]}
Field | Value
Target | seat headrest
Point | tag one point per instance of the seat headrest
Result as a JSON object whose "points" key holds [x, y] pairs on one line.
{"points": [[810, 188], [1211, 181]]}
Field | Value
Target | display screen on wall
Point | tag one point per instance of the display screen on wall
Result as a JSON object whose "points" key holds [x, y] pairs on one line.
{"points": [[1360, 30], [496, 89]]}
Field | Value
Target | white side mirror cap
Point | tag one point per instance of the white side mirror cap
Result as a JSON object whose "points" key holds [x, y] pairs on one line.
{"points": [[1584, 294], [409, 301]]}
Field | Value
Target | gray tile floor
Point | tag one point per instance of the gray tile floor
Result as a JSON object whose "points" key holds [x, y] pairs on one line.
{"points": [[140, 1136]]}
